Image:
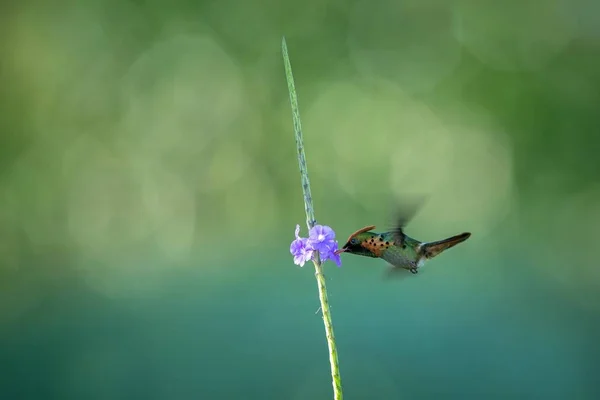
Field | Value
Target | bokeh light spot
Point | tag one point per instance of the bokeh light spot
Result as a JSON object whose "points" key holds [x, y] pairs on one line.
{"points": [[514, 35], [391, 42]]}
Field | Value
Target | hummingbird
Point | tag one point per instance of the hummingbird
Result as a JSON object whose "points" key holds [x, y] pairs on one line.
{"points": [[395, 247]]}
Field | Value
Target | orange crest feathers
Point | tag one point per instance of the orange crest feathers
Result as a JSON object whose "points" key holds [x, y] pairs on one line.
{"points": [[362, 230]]}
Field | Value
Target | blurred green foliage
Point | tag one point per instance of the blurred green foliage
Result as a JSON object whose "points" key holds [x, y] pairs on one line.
{"points": [[149, 192]]}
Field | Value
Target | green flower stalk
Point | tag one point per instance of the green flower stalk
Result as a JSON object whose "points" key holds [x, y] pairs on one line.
{"points": [[321, 244]]}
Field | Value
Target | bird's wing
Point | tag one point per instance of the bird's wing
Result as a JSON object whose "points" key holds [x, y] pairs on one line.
{"points": [[406, 209]]}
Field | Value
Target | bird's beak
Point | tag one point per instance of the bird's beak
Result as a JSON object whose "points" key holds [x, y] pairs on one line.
{"points": [[338, 251]]}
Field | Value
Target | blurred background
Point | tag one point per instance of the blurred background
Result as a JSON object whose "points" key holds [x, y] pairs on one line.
{"points": [[149, 191]]}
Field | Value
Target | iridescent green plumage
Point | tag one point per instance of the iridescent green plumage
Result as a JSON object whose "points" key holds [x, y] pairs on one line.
{"points": [[398, 249]]}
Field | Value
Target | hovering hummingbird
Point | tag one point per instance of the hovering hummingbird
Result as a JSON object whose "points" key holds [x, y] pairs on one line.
{"points": [[395, 247]]}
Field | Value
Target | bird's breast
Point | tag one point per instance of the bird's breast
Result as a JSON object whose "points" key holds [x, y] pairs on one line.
{"points": [[399, 258], [377, 245]]}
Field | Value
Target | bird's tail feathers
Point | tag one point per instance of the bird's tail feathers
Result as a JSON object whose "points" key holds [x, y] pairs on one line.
{"points": [[432, 249]]}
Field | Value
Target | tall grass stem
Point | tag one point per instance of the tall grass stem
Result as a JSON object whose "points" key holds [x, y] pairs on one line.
{"points": [[310, 222]]}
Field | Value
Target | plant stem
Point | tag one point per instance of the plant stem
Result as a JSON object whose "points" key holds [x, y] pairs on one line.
{"points": [[310, 222]]}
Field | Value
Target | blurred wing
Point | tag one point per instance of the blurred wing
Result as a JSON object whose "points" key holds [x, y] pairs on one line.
{"points": [[395, 273], [405, 210]]}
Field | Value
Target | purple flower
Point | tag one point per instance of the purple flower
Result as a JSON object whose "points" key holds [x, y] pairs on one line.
{"points": [[301, 249], [330, 254], [322, 239]]}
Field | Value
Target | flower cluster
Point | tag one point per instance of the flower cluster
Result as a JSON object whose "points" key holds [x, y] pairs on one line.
{"points": [[320, 238]]}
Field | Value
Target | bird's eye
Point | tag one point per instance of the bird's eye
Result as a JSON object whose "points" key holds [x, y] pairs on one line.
{"points": [[354, 241]]}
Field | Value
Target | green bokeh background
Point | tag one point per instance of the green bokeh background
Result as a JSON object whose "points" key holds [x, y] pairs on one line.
{"points": [[149, 191]]}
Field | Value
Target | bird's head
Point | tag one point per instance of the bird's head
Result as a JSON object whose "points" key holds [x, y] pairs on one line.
{"points": [[354, 244]]}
